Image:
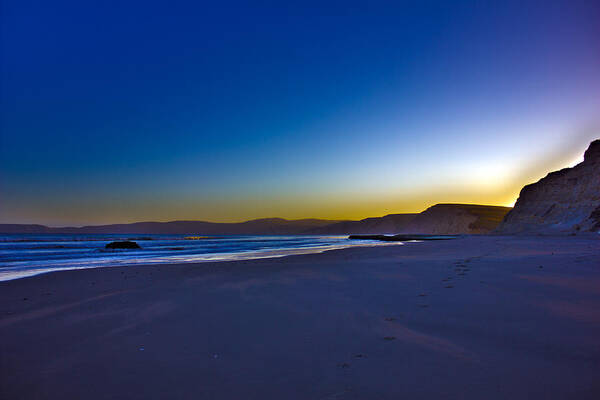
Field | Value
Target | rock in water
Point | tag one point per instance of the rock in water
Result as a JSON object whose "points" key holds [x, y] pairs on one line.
{"points": [[401, 237], [565, 201], [123, 245]]}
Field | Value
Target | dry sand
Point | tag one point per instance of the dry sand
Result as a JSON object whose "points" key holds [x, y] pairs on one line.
{"points": [[472, 318]]}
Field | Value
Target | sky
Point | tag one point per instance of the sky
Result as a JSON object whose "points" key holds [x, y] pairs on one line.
{"points": [[131, 111]]}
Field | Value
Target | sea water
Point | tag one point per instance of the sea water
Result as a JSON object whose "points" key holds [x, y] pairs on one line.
{"points": [[31, 254]]}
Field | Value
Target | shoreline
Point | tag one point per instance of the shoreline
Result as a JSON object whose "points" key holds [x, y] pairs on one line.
{"points": [[279, 253], [200, 259], [364, 322]]}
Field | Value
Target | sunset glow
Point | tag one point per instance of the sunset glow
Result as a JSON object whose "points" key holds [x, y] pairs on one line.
{"points": [[210, 116]]}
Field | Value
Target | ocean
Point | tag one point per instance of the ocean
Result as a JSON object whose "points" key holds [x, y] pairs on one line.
{"points": [[32, 254]]}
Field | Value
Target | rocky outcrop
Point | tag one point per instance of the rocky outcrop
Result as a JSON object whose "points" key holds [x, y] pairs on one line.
{"points": [[453, 219], [122, 245], [565, 201], [401, 237]]}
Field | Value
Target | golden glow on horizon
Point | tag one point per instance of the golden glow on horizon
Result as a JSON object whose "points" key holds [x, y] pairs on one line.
{"points": [[474, 183], [349, 205], [342, 207]]}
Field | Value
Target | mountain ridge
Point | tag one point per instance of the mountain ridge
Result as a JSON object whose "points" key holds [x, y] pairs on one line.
{"points": [[390, 224]]}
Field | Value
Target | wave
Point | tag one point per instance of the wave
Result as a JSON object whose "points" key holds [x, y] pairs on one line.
{"points": [[32, 255]]}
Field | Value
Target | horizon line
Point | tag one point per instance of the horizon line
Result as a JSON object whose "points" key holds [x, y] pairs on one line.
{"points": [[255, 219]]}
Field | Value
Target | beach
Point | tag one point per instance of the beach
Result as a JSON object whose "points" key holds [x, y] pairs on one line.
{"points": [[478, 317]]}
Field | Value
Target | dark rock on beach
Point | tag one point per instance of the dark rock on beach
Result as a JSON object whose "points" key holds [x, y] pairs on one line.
{"points": [[123, 245], [401, 238]]}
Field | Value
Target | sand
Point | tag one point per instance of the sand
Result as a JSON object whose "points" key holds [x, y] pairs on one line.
{"points": [[472, 318]]}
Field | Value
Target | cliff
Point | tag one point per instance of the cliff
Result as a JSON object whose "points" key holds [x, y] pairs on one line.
{"points": [[564, 201], [453, 219], [391, 223]]}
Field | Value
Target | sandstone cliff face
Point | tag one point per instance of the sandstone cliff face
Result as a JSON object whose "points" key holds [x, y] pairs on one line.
{"points": [[452, 219], [564, 201]]}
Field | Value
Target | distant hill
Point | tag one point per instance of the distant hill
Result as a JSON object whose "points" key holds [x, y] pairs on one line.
{"points": [[439, 219], [266, 226], [23, 228], [564, 201], [392, 223], [452, 219]]}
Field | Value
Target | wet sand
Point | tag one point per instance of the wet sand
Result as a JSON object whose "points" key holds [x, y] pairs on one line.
{"points": [[471, 318]]}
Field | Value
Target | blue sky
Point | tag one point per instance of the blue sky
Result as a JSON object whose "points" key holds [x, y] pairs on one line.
{"points": [[128, 111]]}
